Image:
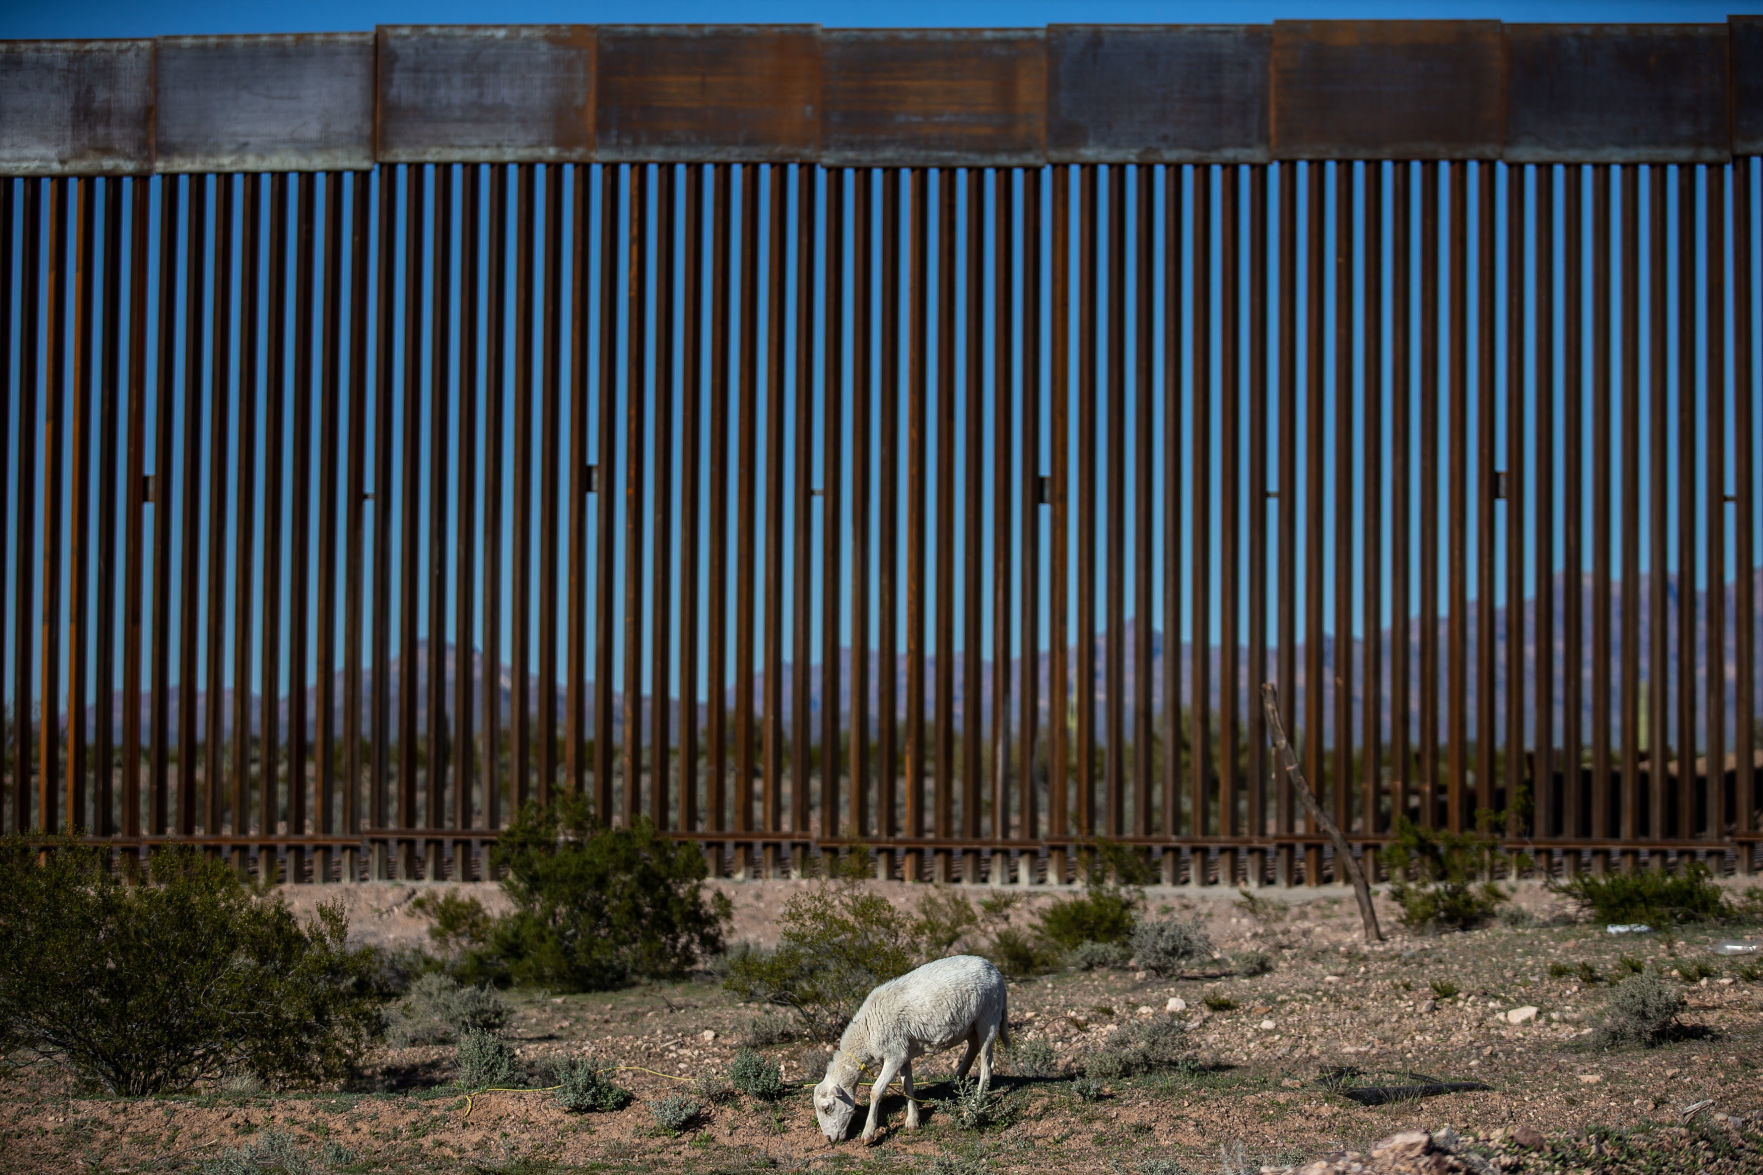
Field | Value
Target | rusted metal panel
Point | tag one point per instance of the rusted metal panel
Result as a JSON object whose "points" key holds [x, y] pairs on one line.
{"points": [[708, 93], [1146, 94], [1396, 89], [933, 97], [302, 102], [1745, 70], [1617, 93], [521, 94], [81, 107]]}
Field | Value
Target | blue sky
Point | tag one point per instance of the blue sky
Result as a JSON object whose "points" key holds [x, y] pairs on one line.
{"points": [[115, 19]]}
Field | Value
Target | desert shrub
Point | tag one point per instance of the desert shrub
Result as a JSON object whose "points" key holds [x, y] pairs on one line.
{"points": [[1689, 895], [757, 1076], [438, 1009], [1560, 970], [1447, 893], [1749, 972], [767, 1031], [1444, 989], [584, 1087], [1018, 953], [1166, 944], [1518, 918], [1089, 1089], [594, 906], [1692, 970], [1034, 1058], [395, 970], [675, 1112], [1252, 963], [154, 987], [1586, 973], [837, 941], [945, 918], [1098, 956], [1144, 1046], [712, 1088], [483, 1060], [1102, 913], [272, 1152], [1629, 965], [1643, 1010], [1218, 1002], [970, 1109], [1264, 910], [1105, 863], [456, 923]]}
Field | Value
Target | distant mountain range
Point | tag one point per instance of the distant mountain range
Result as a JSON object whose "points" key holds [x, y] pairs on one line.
{"points": [[450, 662]]}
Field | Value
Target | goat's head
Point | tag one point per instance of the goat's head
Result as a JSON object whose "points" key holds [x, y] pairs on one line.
{"points": [[834, 1106]]}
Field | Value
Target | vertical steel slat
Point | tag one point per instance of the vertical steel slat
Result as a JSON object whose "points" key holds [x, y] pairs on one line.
{"points": [[1515, 492], [917, 489], [1344, 409], [1200, 561], [1007, 408], [1028, 410], [110, 410], [717, 589], [1429, 493], [1230, 490], [495, 342], [520, 727], [661, 671], [606, 506], [802, 549], [245, 590], [1573, 505], [1059, 344], [18, 794], [385, 397], [943, 816], [1401, 449], [219, 394], [79, 464], [1459, 458], [359, 232], [416, 278], [1173, 306], [1601, 536], [276, 390], [30, 308], [1684, 684], [1542, 674], [1256, 807], [636, 301], [1089, 218], [439, 382], [165, 395], [887, 669], [1288, 485], [1658, 666], [330, 404], [973, 732], [189, 500], [1144, 506], [832, 537], [1631, 502], [746, 503], [1315, 432], [860, 182], [776, 376], [691, 442], [1485, 488], [299, 538], [1114, 567], [777, 284], [1714, 445], [550, 428], [49, 507], [579, 479], [465, 564], [140, 194], [1372, 576], [1744, 502]]}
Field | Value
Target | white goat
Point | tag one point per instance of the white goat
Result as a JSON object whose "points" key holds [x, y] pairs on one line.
{"points": [[960, 998]]}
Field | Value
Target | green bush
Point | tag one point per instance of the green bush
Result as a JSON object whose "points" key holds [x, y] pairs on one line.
{"points": [[1144, 1046], [1444, 989], [438, 1009], [1168, 944], [1629, 965], [456, 923], [945, 918], [1089, 1089], [675, 1112], [1034, 1058], [272, 1152], [594, 906], [1019, 954], [1103, 913], [970, 1109], [1252, 963], [1651, 896], [485, 1060], [1447, 894], [837, 941], [1098, 956], [155, 987], [757, 1076], [1643, 1011], [1218, 1002], [583, 1087]]}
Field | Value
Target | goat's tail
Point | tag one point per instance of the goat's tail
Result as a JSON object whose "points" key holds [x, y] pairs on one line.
{"points": [[1004, 1021]]}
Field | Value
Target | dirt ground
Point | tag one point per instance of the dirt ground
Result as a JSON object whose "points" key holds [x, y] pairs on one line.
{"points": [[1435, 1006]]}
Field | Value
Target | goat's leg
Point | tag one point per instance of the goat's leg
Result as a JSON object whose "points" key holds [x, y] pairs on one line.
{"points": [[967, 1056], [889, 1068], [985, 1060], [911, 1100]]}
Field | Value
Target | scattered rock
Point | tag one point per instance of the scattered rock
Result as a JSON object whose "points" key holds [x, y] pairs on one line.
{"points": [[1176, 1004], [1266, 1025], [1147, 1010], [1589, 1078], [708, 1035], [1522, 1015], [1429, 1005], [1528, 1138]]}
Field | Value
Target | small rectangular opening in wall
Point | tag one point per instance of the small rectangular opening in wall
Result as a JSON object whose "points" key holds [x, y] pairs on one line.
{"points": [[1502, 485]]}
